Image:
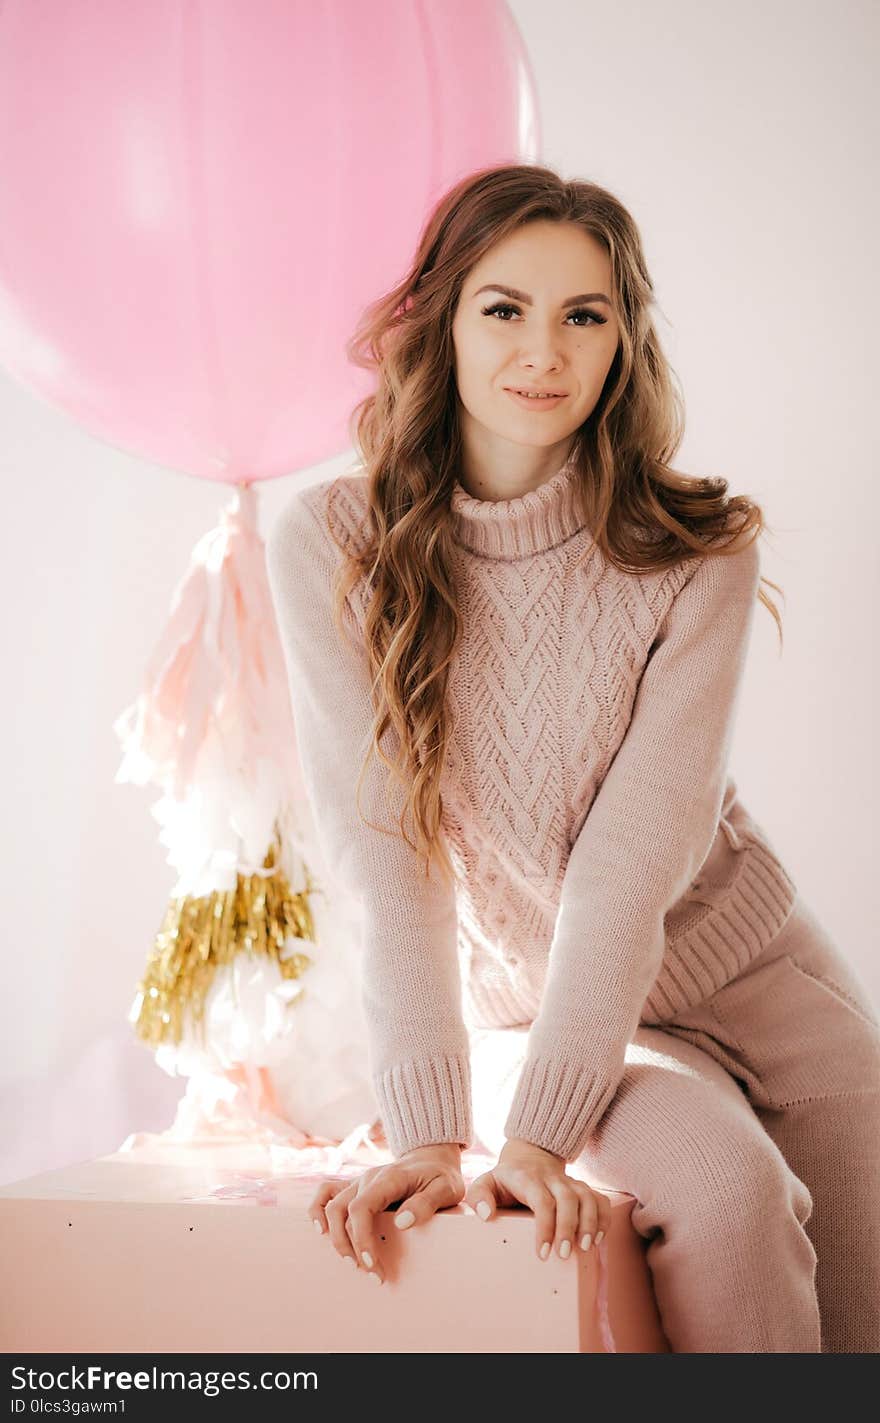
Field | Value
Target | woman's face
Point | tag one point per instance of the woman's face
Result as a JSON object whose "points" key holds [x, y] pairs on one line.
{"points": [[534, 335]]}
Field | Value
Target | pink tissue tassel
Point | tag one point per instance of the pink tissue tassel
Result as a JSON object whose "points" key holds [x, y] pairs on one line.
{"points": [[213, 729]]}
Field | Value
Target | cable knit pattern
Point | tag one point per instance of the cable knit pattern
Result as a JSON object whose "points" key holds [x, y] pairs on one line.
{"points": [[607, 872]]}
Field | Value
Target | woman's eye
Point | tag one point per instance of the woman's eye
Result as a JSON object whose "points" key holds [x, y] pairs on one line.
{"points": [[578, 311]]}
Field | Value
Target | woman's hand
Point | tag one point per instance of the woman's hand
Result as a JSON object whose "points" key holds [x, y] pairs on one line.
{"points": [[566, 1210], [423, 1181]]}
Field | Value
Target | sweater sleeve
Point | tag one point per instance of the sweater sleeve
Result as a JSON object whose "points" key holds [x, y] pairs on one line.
{"points": [[645, 838], [411, 990]]}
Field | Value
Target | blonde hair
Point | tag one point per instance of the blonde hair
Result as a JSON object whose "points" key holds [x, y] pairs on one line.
{"points": [[642, 513]]}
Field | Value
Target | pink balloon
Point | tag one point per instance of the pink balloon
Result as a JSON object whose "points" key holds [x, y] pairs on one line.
{"points": [[198, 200]]}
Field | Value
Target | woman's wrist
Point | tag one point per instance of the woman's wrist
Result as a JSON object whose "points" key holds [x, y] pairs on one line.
{"points": [[449, 1151], [519, 1143]]}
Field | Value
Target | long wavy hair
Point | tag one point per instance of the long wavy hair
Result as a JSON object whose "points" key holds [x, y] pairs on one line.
{"points": [[641, 513]]}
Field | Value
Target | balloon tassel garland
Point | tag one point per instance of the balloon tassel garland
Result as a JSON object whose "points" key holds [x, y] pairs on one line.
{"points": [[213, 728]]}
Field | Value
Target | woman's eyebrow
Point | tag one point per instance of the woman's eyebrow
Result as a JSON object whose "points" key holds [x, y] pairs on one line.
{"points": [[524, 296]]}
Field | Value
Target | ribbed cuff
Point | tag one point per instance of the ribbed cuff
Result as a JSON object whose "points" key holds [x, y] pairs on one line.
{"points": [[425, 1100], [737, 924], [557, 1104]]}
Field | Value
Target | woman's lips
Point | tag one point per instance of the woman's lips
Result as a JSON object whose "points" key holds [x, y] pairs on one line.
{"points": [[549, 402]]}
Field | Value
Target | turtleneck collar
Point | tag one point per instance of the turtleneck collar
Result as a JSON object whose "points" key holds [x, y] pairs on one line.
{"points": [[513, 528]]}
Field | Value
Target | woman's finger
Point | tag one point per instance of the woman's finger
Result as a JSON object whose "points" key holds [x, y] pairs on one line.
{"points": [[589, 1224], [542, 1202], [436, 1195], [315, 1210], [481, 1195], [603, 1215], [568, 1212], [375, 1193], [336, 1211]]}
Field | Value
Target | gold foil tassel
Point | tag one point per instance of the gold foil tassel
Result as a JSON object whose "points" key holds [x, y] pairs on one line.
{"points": [[199, 934]]}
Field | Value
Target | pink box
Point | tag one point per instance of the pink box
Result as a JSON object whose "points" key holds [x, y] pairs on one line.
{"points": [[125, 1253]]}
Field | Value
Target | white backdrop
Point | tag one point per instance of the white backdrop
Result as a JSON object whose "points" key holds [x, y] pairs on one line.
{"points": [[742, 138]]}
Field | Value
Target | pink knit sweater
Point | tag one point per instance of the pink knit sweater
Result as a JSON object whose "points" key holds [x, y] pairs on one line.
{"points": [[608, 873]]}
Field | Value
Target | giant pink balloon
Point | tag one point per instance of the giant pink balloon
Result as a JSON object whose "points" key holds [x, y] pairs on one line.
{"points": [[198, 199]]}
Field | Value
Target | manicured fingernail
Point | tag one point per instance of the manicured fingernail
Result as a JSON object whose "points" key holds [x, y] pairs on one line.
{"points": [[484, 1209], [367, 1259], [373, 1276], [565, 1249], [545, 1250], [600, 1236], [586, 1242], [317, 1225], [350, 1260], [404, 1219]]}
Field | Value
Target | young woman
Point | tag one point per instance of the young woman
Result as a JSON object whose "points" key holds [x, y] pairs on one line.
{"points": [[540, 628]]}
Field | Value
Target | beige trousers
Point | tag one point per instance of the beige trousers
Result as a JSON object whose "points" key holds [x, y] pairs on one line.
{"points": [[748, 1130]]}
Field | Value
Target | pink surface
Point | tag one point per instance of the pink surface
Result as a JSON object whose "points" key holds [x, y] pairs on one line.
{"points": [[178, 1248]]}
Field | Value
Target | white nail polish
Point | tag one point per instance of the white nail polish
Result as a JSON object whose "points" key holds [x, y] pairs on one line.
{"points": [[350, 1260], [586, 1241], [367, 1259], [404, 1219], [373, 1276], [565, 1249], [600, 1235], [317, 1225], [484, 1209], [545, 1250]]}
